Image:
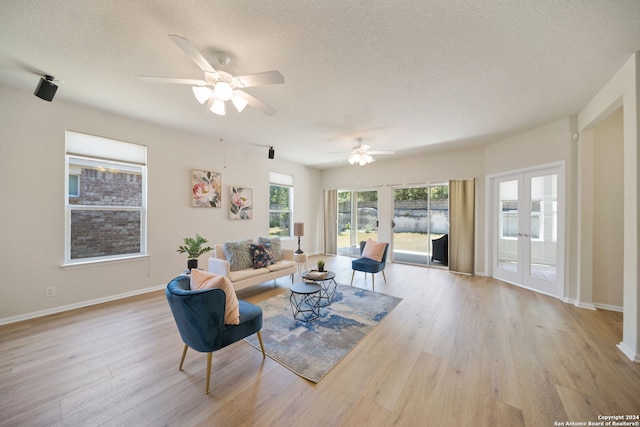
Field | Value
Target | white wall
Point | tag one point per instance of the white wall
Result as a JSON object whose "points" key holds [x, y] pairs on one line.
{"points": [[608, 210], [32, 149], [622, 90]]}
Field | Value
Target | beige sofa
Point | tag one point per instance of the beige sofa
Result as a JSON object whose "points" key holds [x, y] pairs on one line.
{"points": [[243, 278]]}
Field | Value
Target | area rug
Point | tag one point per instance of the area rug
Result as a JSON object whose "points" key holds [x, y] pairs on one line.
{"points": [[312, 349]]}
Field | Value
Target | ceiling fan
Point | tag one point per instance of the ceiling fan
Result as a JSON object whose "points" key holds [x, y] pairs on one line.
{"points": [[361, 155], [220, 85]]}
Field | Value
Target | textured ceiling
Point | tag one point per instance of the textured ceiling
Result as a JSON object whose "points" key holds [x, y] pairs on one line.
{"points": [[409, 76]]}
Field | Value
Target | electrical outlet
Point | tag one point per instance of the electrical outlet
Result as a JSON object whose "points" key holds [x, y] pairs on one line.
{"points": [[50, 291]]}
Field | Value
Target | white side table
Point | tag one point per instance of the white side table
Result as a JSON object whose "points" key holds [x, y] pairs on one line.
{"points": [[301, 260]]}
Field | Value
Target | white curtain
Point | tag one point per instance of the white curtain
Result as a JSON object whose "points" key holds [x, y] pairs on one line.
{"points": [[330, 198], [461, 226]]}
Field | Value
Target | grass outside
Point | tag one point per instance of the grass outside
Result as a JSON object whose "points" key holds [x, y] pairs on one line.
{"points": [[414, 242]]}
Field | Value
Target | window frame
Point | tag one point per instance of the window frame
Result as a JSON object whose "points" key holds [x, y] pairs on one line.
{"points": [[87, 150], [286, 181], [281, 211]]}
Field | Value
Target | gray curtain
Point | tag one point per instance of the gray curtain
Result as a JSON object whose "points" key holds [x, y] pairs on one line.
{"points": [[330, 201], [461, 226]]}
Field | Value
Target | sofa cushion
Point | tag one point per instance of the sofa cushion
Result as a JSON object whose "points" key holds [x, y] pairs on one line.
{"points": [[236, 276], [261, 256], [238, 254], [204, 280], [281, 265], [274, 244]]}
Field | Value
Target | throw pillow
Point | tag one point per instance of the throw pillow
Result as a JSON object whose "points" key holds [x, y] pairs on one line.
{"points": [[238, 254], [204, 280], [261, 256], [274, 244], [374, 250]]}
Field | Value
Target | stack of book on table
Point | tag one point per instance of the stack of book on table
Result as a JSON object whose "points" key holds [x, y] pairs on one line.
{"points": [[315, 275]]}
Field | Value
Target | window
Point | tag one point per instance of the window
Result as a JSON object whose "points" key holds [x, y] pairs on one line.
{"points": [[280, 204], [74, 185], [105, 203]]}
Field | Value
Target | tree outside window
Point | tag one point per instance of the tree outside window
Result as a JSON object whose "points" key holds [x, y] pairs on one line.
{"points": [[280, 210]]}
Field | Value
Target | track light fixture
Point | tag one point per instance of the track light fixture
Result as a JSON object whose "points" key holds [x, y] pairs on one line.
{"points": [[272, 153]]}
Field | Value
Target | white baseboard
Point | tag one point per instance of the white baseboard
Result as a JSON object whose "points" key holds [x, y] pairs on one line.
{"points": [[632, 355], [609, 307], [55, 310], [585, 305]]}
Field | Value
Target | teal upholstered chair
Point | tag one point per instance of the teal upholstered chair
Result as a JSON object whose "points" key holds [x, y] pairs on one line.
{"points": [[199, 316], [367, 265]]}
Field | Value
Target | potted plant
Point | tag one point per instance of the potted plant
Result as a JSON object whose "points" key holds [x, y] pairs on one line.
{"points": [[320, 265], [193, 248]]}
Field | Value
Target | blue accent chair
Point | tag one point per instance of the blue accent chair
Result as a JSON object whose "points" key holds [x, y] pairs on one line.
{"points": [[199, 316], [367, 265]]}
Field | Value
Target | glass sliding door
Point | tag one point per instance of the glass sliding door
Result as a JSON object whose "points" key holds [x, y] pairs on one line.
{"points": [[357, 220], [420, 216], [344, 223]]}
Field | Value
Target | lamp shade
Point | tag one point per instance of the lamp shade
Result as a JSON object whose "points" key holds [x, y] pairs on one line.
{"points": [[218, 107], [202, 93], [223, 90], [298, 229], [239, 102]]}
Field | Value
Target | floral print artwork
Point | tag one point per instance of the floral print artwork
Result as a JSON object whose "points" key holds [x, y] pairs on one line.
{"points": [[240, 203], [206, 189]]}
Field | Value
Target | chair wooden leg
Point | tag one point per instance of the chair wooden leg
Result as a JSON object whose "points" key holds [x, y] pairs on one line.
{"points": [[385, 277], [352, 274], [184, 354], [209, 356], [259, 333]]}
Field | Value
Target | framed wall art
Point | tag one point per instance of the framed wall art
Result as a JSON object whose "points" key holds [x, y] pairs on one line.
{"points": [[240, 203], [206, 189]]}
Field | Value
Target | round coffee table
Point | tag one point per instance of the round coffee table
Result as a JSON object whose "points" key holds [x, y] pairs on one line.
{"points": [[305, 299], [327, 282]]}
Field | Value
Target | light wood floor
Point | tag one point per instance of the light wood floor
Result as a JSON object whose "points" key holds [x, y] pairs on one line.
{"points": [[458, 351]]}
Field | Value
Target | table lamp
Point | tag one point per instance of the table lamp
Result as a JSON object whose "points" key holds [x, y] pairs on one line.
{"points": [[298, 231]]}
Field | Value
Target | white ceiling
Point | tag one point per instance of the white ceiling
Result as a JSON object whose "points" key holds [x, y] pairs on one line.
{"points": [[405, 75]]}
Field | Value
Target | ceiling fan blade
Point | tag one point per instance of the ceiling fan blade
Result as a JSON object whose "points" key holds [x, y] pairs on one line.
{"points": [[192, 53], [192, 82], [259, 79], [257, 104], [381, 152]]}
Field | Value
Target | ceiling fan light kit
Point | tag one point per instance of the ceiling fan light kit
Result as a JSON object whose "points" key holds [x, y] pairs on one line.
{"points": [[220, 86], [360, 159], [360, 155]]}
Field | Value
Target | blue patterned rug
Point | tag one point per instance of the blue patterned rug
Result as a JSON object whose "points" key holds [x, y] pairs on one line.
{"points": [[311, 349]]}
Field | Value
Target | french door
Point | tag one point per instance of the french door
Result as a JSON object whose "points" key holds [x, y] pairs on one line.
{"points": [[528, 241]]}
